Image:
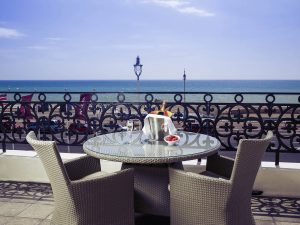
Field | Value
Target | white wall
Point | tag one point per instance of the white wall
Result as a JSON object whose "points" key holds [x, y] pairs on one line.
{"points": [[283, 180]]}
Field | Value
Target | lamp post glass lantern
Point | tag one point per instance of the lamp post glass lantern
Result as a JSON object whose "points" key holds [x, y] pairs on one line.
{"points": [[138, 68]]}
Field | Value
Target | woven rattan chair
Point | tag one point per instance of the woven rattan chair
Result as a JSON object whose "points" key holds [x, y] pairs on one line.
{"points": [[197, 199], [83, 195]]}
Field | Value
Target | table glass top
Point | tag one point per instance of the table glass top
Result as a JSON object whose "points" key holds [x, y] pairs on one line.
{"points": [[136, 144]]}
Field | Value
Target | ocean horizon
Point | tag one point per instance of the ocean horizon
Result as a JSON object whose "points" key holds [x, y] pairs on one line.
{"points": [[150, 85]]}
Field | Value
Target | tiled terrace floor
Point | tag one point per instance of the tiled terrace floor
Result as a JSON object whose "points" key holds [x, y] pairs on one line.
{"points": [[32, 204]]}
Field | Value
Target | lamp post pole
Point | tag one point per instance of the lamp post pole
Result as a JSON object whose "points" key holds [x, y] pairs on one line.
{"points": [[184, 79], [138, 71]]}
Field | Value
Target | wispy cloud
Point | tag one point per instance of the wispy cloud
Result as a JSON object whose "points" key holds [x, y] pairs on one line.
{"points": [[132, 46], [9, 33], [38, 47], [182, 6], [47, 43], [169, 3], [195, 11], [55, 39]]}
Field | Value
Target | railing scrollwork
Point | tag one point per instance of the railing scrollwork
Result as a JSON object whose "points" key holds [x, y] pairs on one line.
{"points": [[70, 118]]}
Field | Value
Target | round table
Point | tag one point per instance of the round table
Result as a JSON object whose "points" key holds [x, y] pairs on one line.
{"points": [[150, 160]]}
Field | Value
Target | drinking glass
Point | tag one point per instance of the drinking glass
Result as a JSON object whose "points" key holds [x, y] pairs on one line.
{"points": [[137, 124], [130, 128], [130, 125]]}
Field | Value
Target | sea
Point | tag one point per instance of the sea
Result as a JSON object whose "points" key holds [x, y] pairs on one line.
{"points": [[227, 86], [151, 85]]}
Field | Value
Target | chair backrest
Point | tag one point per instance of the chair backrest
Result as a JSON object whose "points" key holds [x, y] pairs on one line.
{"points": [[25, 109], [82, 108], [85, 97], [52, 162], [3, 97], [247, 162]]}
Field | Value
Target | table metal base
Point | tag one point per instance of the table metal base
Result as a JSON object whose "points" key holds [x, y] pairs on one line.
{"points": [[151, 193]]}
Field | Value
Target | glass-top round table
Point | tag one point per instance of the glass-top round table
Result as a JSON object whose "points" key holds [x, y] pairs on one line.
{"points": [[151, 161], [135, 147]]}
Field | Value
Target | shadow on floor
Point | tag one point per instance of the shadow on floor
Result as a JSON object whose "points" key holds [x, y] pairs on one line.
{"points": [[261, 205]]}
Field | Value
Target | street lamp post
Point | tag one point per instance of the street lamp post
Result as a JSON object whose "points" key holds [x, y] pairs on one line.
{"points": [[138, 68], [138, 71], [184, 79]]}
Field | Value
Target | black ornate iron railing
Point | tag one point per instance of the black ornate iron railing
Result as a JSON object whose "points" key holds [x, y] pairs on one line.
{"points": [[70, 118]]}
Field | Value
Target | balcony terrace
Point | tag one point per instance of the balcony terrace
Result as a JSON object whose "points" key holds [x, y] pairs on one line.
{"points": [[30, 203], [72, 118]]}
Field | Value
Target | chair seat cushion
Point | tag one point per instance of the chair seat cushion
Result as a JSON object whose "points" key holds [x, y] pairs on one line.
{"points": [[95, 175], [194, 168], [211, 174]]}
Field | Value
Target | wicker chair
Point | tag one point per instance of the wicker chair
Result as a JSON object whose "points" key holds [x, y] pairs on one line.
{"points": [[83, 195], [214, 200]]}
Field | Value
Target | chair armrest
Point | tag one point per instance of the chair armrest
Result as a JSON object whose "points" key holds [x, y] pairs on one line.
{"points": [[110, 196], [115, 177], [81, 167], [220, 165]]}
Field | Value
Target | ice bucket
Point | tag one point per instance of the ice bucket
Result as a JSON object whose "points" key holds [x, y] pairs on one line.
{"points": [[158, 128]]}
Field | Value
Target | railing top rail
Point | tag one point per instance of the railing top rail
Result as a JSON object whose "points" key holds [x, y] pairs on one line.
{"points": [[151, 92]]}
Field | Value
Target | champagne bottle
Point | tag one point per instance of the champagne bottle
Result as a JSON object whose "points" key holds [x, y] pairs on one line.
{"points": [[162, 111]]}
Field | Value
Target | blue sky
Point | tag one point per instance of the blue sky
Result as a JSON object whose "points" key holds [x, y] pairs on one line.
{"points": [[100, 39]]}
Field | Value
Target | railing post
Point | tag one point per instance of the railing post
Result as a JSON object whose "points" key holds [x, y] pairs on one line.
{"points": [[4, 143], [277, 157]]}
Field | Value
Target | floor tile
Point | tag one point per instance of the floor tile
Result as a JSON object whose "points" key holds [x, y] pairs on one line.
{"points": [[49, 217], [4, 199], [263, 218], [37, 211], [287, 219], [12, 208], [2, 203], [46, 201], [23, 200], [45, 222], [286, 223], [4, 219], [264, 222], [24, 221]]}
